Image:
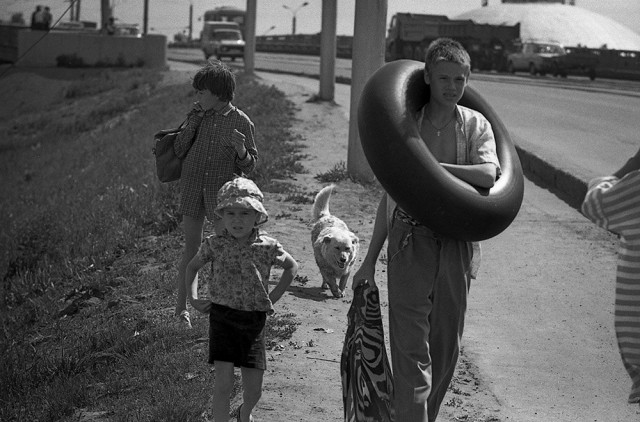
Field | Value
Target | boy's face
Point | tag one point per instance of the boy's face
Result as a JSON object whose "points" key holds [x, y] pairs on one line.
{"points": [[208, 100], [447, 81], [239, 222]]}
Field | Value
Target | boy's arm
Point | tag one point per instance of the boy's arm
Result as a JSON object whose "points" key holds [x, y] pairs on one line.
{"points": [[244, 142], [192, 294], [186, 136], [366, 272], [481, 175], [609, 198], [290, 267], [632, 164]]}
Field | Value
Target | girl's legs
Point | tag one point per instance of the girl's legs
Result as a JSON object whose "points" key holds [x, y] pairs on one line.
{"points": [[252, 386], [193, 237], [222, 387]]}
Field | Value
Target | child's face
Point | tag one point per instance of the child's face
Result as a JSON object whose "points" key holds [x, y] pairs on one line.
{"points": [[447, 81], [239, 222], [208, 100]]}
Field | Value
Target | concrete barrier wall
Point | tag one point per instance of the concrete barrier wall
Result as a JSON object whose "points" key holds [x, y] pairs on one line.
{"points": [[41, 49]]}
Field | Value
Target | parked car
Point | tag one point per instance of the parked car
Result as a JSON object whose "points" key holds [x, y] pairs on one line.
{"points": [[534, 57], [222, 39]]}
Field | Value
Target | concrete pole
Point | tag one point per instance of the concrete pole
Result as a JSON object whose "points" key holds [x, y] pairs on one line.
{"points": [[145, 17], [367, 57], [328, 50], [250, 37], [105, 12], [190, 21]]}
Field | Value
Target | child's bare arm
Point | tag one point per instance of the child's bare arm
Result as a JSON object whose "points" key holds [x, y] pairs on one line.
{"points": [[290, 267], [366, 272], [192, 296], [632, 164], [481, 175]]}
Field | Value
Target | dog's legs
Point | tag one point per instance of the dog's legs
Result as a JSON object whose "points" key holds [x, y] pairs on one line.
{"points": [[331, 283], [343, 282]]}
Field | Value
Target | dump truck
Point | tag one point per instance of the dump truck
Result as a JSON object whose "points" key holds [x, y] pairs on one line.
{"points": [[410, 34]]}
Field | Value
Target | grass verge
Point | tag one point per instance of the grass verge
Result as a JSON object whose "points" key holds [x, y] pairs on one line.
{"points": [[89, 247]]}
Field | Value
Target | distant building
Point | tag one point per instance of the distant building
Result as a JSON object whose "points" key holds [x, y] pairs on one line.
{"points": [[557, 20]]}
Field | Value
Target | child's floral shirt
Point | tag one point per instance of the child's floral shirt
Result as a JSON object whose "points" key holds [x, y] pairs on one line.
{"points": [[240, 271]]}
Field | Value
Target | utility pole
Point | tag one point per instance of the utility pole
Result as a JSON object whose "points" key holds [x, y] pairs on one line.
{"points": [[250, 37], [368, 56], [106, 12], [190, 21], [328, 50], [145, 17]]}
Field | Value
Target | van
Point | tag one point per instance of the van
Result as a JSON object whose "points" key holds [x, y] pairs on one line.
{"points": [[222, 39]]}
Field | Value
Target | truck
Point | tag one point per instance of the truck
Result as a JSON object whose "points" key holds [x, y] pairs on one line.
{"points": [[578, 60], [222, 39], [410, 34]]}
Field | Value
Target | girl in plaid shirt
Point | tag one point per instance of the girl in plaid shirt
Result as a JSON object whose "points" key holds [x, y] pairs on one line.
{"points": [[216, 143]]}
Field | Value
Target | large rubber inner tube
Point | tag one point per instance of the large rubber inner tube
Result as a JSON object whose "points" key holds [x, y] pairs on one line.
{"points": [[411, 175]]}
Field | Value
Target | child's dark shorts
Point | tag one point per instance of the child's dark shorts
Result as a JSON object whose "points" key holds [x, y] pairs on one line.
{"points": [[237, 336]]}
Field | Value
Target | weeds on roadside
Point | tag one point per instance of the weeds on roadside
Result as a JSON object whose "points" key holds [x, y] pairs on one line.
{"points": [[337, 174], [83, 219]]}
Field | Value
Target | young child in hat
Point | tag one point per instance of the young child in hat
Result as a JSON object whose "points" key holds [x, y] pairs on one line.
{"points": [[239, 299]]}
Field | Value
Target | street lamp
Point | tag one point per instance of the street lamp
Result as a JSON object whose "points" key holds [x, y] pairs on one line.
{"points": [[293, 12], [269, 30]]}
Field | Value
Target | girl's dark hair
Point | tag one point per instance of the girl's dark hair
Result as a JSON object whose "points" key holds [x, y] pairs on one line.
{"points": [[217, 78]]}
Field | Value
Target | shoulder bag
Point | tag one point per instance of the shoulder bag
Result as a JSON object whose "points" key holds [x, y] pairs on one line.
{"points": [[168, 164]]}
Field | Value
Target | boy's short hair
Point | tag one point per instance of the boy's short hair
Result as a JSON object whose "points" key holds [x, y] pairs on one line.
{"points": [[446, 50], [218, 78]]}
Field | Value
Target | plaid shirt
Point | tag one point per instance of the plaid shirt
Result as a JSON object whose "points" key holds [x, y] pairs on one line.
{"points": [[211, 160], [240, 271]]}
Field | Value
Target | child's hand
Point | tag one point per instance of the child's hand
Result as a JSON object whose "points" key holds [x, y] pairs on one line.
{"points": [[237, 140], [201, 305], [364, 275]]}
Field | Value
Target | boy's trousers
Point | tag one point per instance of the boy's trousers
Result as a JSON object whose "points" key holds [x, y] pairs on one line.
{"points": [[428, 282]]}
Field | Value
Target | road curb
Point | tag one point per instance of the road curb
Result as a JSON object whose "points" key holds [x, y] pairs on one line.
{"points": [[569, 188]]}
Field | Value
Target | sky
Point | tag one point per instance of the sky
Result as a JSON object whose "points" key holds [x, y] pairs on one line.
{"points": [[169, 17]]}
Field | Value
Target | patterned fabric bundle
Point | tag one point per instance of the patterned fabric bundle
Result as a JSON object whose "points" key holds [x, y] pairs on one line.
{"points": [[367, 386]]}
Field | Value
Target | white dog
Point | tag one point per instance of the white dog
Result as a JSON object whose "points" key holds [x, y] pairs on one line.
{"points": [[335, 247]]}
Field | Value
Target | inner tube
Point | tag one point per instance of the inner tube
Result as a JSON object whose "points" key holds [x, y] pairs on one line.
{"points": [[407, 170]]}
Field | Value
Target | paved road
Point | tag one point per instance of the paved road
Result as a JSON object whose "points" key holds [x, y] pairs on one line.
{"points": [[540, 321]]}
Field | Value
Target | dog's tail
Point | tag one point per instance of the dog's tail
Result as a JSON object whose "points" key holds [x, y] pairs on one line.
{"points": [[321, 203]]}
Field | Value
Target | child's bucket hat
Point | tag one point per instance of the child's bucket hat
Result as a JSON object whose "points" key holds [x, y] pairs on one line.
{"points": [[242, 193]]}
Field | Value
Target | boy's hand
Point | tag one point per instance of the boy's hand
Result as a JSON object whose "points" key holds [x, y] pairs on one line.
{"points": [[237, 140], [197, 108], [366, 274], [201, 305]]}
